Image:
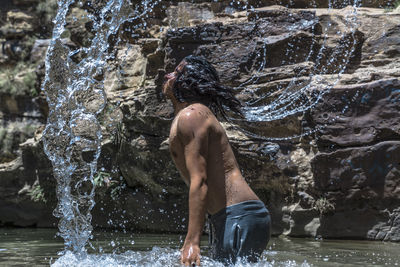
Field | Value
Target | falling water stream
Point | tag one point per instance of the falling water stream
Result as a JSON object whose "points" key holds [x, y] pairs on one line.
{"points": [[75, 94], [72, 138]]}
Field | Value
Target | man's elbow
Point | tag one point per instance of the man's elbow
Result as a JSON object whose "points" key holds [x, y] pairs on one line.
{"points": [[199, 186]]}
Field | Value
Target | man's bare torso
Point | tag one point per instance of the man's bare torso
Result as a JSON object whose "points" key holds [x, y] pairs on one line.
{"points": [[226, 185]]}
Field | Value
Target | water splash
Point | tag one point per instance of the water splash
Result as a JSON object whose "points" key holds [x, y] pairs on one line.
{"points": [[72, 137], [160, 257]]}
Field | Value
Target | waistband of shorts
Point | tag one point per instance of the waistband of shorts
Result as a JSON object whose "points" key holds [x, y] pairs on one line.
{"points": [[240, 209]]}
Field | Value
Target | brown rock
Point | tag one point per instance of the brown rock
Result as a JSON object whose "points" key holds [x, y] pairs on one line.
{"points": [[301, 222], [372, 170], [188, 14], [20, 204], [363, 182], [320, 3], [39, 50], [18, 25], [360, 114], [311, 184], [25, 2], [79, 27]]}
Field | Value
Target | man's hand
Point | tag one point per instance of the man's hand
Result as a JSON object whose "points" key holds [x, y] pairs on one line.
{"points": [[190, 255]]}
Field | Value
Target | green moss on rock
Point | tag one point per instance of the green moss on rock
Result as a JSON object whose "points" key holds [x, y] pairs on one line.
{"points": [[19, 79]]}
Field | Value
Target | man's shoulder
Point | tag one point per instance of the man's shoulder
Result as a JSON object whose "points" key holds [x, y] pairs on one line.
{"points": [[195, 118], [195, 113]]}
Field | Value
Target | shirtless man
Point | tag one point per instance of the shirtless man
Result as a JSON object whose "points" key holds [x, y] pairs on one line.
{"points": [[240, 223]]}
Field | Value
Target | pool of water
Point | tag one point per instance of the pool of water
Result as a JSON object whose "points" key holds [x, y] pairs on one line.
{"points": [[40, 247]]}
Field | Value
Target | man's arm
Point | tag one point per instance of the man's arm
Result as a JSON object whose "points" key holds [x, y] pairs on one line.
{"points": [[193, 133]]}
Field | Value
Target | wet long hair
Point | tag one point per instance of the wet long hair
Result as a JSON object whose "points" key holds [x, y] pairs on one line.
{"points": [[199, 83]]}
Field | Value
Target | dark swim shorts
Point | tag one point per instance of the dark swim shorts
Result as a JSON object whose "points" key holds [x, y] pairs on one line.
{"points": [[241, 230]]}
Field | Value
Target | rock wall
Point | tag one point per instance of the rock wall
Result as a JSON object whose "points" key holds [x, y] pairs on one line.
{"points": [[341, 181]]}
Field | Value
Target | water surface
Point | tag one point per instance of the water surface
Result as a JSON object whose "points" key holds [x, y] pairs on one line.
{"points": [[39, 247]]}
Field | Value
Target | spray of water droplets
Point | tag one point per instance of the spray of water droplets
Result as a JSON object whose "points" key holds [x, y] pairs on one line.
{"points": [[310, 82], [160, 257]]}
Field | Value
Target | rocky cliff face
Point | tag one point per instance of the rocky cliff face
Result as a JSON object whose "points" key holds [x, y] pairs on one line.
{"points": [[341, 180]]}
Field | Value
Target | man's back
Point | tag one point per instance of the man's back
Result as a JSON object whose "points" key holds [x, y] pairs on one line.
{"points": [[199, 146], [226, 185]]}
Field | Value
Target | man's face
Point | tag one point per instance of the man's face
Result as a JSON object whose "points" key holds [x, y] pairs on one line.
{"points": [[170, 78]]}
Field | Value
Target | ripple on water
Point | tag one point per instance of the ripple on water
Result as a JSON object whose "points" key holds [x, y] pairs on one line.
{"points": [[157, 257]]}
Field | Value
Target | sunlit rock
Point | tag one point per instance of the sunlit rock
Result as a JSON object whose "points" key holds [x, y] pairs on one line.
{"points": [[19, 24], [329, 117]]}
